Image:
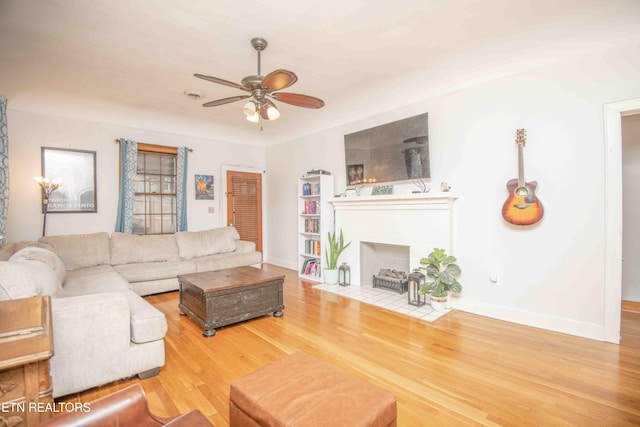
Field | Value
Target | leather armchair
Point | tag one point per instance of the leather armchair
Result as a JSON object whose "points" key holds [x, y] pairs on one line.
{"points": [[124, 408]]}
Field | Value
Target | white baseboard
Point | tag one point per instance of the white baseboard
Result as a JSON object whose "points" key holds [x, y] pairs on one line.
{"points": [[536, 320], [282, 263]]}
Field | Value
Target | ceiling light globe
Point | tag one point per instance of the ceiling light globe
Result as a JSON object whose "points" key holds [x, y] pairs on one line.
{"points": [[249, 109], [273, 113], [254, 118]]}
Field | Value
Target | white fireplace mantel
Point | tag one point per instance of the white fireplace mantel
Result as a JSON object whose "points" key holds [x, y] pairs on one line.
{"points": [[420, 221]]}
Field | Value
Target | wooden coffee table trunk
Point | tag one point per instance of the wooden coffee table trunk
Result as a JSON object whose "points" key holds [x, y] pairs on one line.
{"points": [[218, 298]]}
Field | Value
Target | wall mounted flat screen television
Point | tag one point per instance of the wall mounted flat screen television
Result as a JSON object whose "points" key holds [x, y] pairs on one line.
{"points": [[396, 151]]}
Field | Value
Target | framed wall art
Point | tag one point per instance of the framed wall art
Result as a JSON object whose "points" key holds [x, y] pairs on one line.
{"points": [[204, 187], [77, 171]]}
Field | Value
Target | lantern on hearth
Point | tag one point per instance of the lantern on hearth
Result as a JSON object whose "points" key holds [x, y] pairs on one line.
{"points": [[416, 279], [344, 275]]}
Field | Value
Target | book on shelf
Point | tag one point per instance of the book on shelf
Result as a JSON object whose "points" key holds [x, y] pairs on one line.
{"points": [[311, 207], [311, 267], [312, 225], [310, 189], [312, 247]]}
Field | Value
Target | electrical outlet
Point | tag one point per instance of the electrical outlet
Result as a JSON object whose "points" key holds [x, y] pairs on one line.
{"points": [[212, 209]]}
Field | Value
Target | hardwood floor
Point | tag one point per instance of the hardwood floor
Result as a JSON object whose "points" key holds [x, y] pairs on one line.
{"points": [[461, 370]]}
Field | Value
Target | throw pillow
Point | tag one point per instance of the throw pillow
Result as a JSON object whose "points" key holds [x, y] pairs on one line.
{"points": [[32, 253], [16, 281], [194, 244]]}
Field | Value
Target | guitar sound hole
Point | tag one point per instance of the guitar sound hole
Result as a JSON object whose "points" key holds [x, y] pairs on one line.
{"points": [[522, 192]]}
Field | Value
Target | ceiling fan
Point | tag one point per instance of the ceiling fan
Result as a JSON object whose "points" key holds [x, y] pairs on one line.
{"points": [[262, 90]]}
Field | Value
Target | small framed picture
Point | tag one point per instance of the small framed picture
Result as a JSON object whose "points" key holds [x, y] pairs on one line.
{"points": [[204, 187]]}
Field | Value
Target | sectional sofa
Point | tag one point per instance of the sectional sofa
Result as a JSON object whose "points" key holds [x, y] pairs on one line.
{"points": [[103, 330]]}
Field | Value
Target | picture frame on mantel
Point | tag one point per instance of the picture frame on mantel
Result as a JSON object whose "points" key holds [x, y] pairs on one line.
{"points": [[77, 170]]}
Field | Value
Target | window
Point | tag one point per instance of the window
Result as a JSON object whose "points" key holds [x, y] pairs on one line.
{"points": [[155, 209]]}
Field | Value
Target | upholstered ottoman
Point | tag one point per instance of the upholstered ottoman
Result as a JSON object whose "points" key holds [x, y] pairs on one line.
{"points": [[300, 390]]}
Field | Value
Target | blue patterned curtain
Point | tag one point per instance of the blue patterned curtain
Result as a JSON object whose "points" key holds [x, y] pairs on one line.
{"points": [[4, 165], [126, 200], [181, 195]]}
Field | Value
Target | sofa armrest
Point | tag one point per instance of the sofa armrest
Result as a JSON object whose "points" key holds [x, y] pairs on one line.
{"points": [[244, 246], [91, 337]]}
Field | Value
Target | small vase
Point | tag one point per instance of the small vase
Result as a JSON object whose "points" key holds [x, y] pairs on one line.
{"points": [[330, 276], [438, 303]]}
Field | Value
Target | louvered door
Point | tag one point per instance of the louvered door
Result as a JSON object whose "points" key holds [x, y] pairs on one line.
{"points": [[244, 205]]}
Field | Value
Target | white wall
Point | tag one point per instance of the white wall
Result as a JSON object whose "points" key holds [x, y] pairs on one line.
{"points": [[550, 275], [30, 131], [631, 207]]}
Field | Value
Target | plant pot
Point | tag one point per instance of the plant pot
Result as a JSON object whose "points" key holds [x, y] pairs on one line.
{"points": [[438, 303], [330, 276]]}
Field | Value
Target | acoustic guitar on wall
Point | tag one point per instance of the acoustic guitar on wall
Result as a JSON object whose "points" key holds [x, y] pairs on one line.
{"points": [[522, 207]]}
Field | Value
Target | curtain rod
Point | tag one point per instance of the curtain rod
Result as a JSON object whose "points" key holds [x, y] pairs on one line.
{"points": [[117, 141]]}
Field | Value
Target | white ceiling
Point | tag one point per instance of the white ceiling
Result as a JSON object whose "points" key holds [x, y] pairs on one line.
{"points": [[129, 62]]}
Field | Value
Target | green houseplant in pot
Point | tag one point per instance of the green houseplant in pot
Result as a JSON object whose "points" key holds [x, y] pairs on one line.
{"points": [[332, 252], [442, 270]]}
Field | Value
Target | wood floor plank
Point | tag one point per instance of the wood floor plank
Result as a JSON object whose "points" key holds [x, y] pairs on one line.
{"points": [[463, 369]]}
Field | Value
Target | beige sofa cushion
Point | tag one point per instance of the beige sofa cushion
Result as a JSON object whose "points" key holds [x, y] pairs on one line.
{"points": [[194, 244], [80, 250], [133, 248], [145, 271], [43, 255]]}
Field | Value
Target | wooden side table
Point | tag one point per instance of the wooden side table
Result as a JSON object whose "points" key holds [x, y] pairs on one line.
{"points": [[26, 345]]}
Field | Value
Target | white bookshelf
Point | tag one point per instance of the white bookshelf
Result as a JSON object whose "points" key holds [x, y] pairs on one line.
{"points": [[315, 219]]}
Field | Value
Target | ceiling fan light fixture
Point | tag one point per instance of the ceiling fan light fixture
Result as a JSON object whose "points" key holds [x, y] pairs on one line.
{"points": [[272, 112], [254, 118], [249, 109]]}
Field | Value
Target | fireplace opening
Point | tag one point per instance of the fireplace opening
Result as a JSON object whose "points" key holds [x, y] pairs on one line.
{"points": [[377, 258]]}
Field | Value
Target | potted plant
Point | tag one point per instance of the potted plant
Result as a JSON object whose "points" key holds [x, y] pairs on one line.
{"points": [[441, 268], [332, 252]]}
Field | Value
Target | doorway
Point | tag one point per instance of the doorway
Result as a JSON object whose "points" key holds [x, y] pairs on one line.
{"points": [[630, 209], [613, 112], [244, 205]]}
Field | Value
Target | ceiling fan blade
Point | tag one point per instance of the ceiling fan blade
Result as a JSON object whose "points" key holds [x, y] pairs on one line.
{"points": [[279, 79], [225, 101], [298, 100], [221, 81]]}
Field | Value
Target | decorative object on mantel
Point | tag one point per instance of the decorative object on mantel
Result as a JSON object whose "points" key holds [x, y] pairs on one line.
{"points": [[48, 186], [522, 207], [315, 172], [344, 275], [332, 252], [260, 89], [416, 280], [382, 189], [444, 187], [391, 279], [441, 268], [424, 188]]}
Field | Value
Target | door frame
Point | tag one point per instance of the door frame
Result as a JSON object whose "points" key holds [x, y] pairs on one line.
{"points": [[223, 200], [613, 112]]}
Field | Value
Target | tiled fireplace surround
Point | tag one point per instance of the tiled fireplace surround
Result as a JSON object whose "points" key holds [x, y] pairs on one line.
{"points": [[383, 230]]}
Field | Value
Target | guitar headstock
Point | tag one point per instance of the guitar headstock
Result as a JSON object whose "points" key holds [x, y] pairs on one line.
{"points": [[521, 137]]}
